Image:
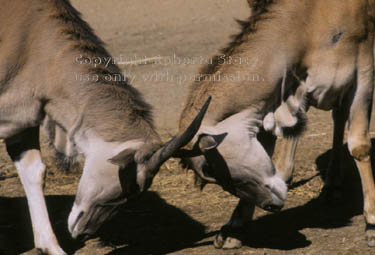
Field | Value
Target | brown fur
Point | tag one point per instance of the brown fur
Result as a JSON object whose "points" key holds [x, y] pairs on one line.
{"points": [[275, 27], [326, 47], [249, 26], [261, 34], [50, 36]]}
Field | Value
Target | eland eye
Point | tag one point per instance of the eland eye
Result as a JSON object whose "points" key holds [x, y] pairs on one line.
{"points": [[336, 38]]}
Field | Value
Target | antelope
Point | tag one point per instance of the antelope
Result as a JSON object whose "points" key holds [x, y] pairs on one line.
{"points": [[43, 51], [315, 49]]}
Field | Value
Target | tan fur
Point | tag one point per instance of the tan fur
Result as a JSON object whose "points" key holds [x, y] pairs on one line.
{"points": [[43, 49], [260, 41], [277, 29], [326, 45], [43, 74]]}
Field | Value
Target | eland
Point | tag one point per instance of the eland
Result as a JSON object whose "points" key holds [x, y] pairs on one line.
{"points": [[44, 47], [319, 49]]}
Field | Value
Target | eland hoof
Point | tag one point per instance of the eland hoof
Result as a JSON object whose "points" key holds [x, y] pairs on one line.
{"points": [[223, 241], [370, 234], [219, 241], [232, 243]]}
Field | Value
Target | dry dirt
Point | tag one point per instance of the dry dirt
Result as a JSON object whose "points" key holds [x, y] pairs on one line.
{"points": [[174, 217]]}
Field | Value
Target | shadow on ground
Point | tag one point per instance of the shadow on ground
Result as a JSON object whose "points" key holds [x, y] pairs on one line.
{"points": [[151, 226], [148, 226], [282, 230], [16, 234]]}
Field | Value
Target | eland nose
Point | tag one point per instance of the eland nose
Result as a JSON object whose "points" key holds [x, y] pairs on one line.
{"points": [[73, 221], [273, 207]]}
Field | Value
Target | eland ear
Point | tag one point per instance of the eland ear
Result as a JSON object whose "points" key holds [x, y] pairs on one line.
{"points": [[205, 143], [208, 142], [123, 158]]}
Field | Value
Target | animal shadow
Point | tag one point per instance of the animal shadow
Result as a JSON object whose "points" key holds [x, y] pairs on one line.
{"points": [[282, 230], [16, 234], [146, 226], [151, 226]]}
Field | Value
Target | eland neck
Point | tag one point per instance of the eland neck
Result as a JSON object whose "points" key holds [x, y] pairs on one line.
{"points": [[55, 56], [247, 77]]}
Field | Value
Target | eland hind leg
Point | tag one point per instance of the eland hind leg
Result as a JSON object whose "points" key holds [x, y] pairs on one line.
{"points": [[334, 175], [359, 141], [64, 152], [24, 151], [360, 147]]}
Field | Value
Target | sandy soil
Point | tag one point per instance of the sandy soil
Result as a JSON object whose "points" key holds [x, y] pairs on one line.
{"points": [[174, 217]]}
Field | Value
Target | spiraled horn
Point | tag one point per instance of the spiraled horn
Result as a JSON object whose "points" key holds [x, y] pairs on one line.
{"points": [[177, 142]]}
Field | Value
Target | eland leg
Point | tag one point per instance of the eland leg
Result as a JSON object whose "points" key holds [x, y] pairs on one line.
{"points": [[24, 150], [286, 153], [359, 139], [285, 158], [288, 145], [334, 175], [60, 141], [360, 147], [230, 235], [63, 153]]}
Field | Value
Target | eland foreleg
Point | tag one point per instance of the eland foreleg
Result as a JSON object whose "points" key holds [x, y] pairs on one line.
{"points": [[230, 235], [285, 157], [24, 149]]}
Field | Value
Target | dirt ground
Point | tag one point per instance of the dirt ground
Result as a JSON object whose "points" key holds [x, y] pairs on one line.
{"points": [[174, 217]]}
